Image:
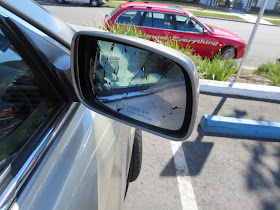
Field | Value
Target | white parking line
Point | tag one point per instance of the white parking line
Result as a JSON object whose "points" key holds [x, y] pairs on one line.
{"points": [[183, 177]]}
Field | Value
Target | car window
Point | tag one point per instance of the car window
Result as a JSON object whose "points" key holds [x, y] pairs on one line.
{"points": [[23, 105], [148, 21], [163, 21], [187, 24], [131, 17]]}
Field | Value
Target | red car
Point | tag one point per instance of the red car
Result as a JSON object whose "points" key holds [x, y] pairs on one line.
{"points": [[160, 21]]}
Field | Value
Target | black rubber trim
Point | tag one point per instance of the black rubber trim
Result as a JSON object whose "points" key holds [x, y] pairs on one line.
{"points": [[136, 157], [38, 66]]}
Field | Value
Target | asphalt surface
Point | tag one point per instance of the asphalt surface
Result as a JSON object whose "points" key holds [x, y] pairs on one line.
{"points": [[226, 172], [265, 47]]}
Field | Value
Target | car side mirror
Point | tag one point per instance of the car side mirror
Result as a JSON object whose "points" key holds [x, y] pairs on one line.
{"points": [[135, 81], [205, 32]]}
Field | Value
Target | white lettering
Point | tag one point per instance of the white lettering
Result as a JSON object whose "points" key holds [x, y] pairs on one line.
{"points": [[192, 41]]}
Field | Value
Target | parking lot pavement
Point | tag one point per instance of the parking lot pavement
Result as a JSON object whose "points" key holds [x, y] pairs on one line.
{"points": [[227, 172]]}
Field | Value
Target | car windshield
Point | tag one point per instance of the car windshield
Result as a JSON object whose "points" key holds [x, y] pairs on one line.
{"points": [[207, 26]]}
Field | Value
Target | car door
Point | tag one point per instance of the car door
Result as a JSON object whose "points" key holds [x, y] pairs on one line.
{"points": [[158, 25], [73, 158], [191, 33]]}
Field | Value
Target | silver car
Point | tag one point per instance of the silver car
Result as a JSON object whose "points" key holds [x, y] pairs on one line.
{"points": [[72, 107]]}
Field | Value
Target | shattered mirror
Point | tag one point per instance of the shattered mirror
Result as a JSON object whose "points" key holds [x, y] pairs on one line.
{"points": [[139, 84]]}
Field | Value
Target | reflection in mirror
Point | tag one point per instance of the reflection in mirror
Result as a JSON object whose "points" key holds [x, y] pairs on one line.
{"points": [[139, 84]]}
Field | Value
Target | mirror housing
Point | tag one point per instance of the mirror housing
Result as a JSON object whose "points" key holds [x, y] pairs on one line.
{"points": [[205, 32], [137, 82]]}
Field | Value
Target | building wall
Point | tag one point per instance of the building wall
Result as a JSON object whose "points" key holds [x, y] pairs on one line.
{"points": [[212, 3], [270, 4]]}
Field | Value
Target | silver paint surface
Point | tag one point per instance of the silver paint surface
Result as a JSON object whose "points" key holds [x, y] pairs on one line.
{"points": [[87, 163]]}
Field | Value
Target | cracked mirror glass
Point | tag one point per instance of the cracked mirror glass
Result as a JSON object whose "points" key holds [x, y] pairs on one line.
{"points": [[139, 84]]}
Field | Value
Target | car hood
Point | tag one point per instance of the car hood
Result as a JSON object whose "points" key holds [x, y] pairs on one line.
{"points": [[219, 32]]}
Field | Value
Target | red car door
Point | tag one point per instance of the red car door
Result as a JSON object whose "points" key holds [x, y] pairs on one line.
{"points": [[190, 32]]}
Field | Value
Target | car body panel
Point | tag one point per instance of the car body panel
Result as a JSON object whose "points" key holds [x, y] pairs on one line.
{"points": [[206, 44], [79, 164]]}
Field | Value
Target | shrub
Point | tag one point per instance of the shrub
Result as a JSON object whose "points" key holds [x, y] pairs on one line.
{"points": [[271, 71], [217, 69], [129, 30], [262, 70], [174, 44], [274, 73]]}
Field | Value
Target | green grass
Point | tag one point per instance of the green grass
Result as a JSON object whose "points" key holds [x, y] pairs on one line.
{"points": [[128, 30], [276, 22], [271, 71], [274, 73], [217, 15], [272, 16], [266, 14], [262, 70], [112, 3]]}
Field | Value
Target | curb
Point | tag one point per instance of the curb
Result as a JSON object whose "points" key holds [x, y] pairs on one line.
{"points": [[240, 89], [240, 127]]}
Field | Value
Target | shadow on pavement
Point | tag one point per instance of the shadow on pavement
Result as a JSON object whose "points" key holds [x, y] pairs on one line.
{"points": [[197, 151], [240, 97], [259, 139], [263, 179], [196, 154]]}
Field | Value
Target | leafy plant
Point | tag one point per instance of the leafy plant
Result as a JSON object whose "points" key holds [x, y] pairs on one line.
{"points": [[174, 44], [262, 70], [271, 71], [274, 73], [217, 69], [129, 30]]}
